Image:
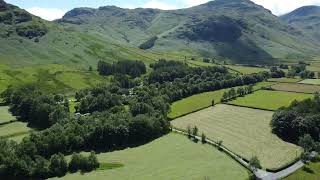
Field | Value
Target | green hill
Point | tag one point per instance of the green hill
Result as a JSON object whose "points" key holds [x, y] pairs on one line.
{"points": [[236, 30], [28, 40], [233, 30], [306, 18]]}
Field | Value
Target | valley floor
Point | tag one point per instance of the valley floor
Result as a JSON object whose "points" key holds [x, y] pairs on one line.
{"points": [[173, 156]]}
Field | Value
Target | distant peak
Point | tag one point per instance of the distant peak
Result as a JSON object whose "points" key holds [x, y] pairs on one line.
{"points": [[306, 10], [79, 11], [3, 5]]}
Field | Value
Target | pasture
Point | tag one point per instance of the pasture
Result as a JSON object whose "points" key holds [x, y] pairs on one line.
{"points": [[5, 115], [51, 78], [203, 100], [173, 156], [269, 100], [295, 87], [14, 129], [310, 81], [244, 131], [284, 80], [246, 69], [310, 171]]}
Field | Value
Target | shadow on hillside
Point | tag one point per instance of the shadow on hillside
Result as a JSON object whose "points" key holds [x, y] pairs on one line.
{"points": [[244, 52]]}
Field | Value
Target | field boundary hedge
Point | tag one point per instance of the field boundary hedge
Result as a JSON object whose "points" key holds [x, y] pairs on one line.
{"points": [[171, 119], [248, 107], [8, 122]]}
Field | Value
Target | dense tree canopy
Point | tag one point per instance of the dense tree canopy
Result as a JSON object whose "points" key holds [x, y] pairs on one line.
{"points": [[131, 68], [298, 120]]}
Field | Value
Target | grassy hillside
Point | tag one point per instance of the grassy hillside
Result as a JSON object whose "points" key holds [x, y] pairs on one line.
{"points": [[306, 18], [51, 78], [28, 40], [248, 33]]}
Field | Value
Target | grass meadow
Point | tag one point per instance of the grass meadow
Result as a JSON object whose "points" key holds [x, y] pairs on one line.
{"points": [[310, 171], [5, 115], [246, 69], [51, 78], [14, 129], [284, 80], [173, 156], [244, 131], [310, 81], [203, 100], [269, 100], [295, 87]]}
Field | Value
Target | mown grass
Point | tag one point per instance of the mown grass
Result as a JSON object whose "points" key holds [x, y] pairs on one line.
{"points": [[310, 81], [310, 171], [244, 131], [5, 115], [284, 80], [14, 129], [203, 100], [269, 100], [246, 69], [170, 157], [295, 87]]}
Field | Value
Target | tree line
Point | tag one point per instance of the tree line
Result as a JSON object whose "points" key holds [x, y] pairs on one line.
{"points": [[127, 67], [233, 93], [35, 107]]}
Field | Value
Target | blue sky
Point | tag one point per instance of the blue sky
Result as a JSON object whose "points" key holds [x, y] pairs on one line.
{"points": [[53, 9]]}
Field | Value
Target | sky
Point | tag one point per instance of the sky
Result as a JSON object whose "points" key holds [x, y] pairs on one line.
{"points": [[55, 9]]}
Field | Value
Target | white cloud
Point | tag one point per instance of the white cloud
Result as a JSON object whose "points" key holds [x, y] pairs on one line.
{"points": [[280, 7], [190, 3], [47, 13], [156, 4]]}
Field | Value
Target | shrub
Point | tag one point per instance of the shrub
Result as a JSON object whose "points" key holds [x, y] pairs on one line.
{"points": [[149, 43], [254, 163]]}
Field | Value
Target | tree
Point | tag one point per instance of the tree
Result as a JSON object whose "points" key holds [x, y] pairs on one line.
{"points": [[58, 165], [189, 131], [93, 162], [307, 143], [254, 163], [195, 131], [203, 138], [90, 68]]}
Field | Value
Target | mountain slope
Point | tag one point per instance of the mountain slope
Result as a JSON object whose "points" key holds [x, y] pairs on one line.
{"points": [[28, 40], [236, 30], [306, 18]]}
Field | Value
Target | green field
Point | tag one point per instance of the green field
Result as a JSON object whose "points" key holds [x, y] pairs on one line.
{"points": [[284, 80], [246, 69], [308, 172], [244, 131], [5, 115], [310, 81], [203, 100], [14, 129], [170, 157], [51, 78], [269, 100]]}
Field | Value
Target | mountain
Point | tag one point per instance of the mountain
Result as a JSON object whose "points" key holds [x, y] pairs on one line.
{"points": [[232, 30], [236, 30], [27, 40], [306, 18]]}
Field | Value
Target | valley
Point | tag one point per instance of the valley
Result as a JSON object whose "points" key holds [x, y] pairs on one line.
{"points": [[144, 93]]}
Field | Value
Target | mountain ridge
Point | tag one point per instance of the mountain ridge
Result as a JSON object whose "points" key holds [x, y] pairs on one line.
{"points": [[226, 30]]}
